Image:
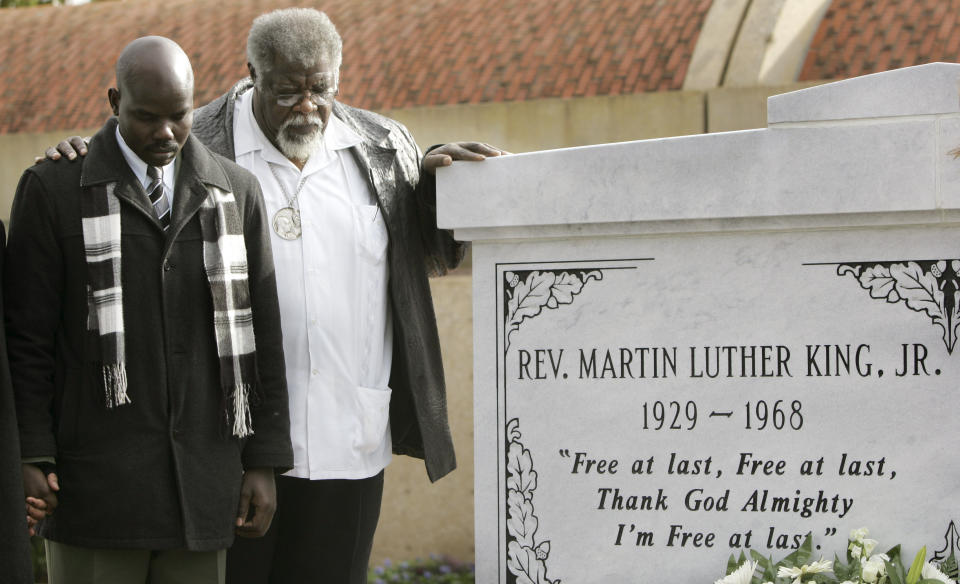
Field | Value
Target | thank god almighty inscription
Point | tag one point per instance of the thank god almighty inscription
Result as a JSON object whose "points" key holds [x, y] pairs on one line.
{"points": [[691, 347]]}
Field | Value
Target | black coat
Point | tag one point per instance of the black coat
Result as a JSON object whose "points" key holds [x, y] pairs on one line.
{"points": [[14, 546], [163, 471], [407, 197]]}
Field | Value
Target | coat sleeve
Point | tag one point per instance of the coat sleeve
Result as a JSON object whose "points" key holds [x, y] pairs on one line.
{"points": [[14, 545], [270, 444], [441, 251], [33, 290]]}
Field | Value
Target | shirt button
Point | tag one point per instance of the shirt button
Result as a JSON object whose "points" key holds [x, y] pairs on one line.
{"points": [[315, 372], [167, 266]]}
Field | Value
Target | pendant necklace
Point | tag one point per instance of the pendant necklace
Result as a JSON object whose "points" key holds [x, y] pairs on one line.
{"points": [[287, 220]]}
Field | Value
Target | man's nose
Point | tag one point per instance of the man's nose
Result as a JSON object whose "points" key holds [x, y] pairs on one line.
{"points": [[305, 105], [164, 132]]}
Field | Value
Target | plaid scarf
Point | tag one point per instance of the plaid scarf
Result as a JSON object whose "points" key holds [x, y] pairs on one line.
{"points": [[225, 262]]}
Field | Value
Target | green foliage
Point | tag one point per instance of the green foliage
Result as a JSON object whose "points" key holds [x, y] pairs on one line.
{"points": [[949, 566], [801, 566], [895, 573], [436, 570], [19, 3], [846, 571], [768, 568], [913, 576]]}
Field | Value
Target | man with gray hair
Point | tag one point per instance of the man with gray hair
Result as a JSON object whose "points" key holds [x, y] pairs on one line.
{"points": [[352, 204]]}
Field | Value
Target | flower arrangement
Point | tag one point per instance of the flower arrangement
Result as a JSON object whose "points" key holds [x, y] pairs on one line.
{"points": [[862, 566], [435, 570]]}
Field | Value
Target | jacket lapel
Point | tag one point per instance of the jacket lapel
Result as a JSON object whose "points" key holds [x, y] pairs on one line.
{"points": [[106, 164], [198, 168], [130, 191], [377, 160]]}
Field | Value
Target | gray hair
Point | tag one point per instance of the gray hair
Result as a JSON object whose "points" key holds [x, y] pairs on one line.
{"points": [[301, 35]]}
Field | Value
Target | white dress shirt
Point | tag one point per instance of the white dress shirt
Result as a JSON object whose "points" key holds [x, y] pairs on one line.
{"points": [[334, 309], [139, 168]]}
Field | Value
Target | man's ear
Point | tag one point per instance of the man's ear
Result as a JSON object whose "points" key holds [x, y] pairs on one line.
{"points": [[113, 95]]}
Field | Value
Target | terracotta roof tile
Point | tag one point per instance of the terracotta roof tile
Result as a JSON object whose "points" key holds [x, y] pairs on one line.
{"points": [[857, 37], [396, 54]]}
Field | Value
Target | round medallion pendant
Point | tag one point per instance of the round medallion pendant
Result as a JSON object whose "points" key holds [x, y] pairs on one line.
{"points": [[287, 223]]}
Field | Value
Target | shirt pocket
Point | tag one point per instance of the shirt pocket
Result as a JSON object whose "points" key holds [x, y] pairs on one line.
{"points": [[371, 232], [374, 409]]}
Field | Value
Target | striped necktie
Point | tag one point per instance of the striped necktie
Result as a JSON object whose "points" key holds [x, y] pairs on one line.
{"points": [[158, 196]]}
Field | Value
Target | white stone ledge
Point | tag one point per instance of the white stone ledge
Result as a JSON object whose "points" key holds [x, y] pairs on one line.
{"points": [[878, 144], [924, 89]]}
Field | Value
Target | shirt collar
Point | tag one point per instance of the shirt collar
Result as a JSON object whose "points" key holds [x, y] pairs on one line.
{"points": [[139, 167], [248, 137]]}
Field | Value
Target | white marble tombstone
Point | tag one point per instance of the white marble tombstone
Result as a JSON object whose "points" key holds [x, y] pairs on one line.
{"points": [[689, 347]]}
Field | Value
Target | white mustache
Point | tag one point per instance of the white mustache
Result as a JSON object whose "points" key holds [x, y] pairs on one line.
{"points": [[302, 119]]}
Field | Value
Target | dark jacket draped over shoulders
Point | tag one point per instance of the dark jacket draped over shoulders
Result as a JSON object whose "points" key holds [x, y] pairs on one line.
{"points": [[417, 250]]}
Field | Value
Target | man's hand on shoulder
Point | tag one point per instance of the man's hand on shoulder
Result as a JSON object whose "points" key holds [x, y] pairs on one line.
{"points": [[69, 148], [446, 154], [258, 501]]}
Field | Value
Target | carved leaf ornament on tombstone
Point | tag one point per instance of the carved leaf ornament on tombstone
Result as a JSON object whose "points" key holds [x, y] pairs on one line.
{"points": [[526, 558], [528, 292], [929, 286], [946, 558]]}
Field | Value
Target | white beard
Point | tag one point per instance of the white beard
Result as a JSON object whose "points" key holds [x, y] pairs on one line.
{"points": [[296, 146]]}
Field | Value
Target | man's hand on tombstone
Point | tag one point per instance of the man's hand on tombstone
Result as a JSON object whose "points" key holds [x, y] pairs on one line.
{"points": [[70, 148], [446, 154], [258, 501]]}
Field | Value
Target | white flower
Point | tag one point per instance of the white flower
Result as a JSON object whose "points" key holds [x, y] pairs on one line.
{"points": [[860, 545], [855, 550], [874, 568], [932, 572], [870, 573], [817, 567], [742, 575]]}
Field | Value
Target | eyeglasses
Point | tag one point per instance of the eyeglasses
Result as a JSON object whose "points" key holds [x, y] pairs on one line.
{"points": [[320, 98]]}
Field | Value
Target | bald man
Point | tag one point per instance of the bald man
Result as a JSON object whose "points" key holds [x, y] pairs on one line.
{"points": [[144, 342]]}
